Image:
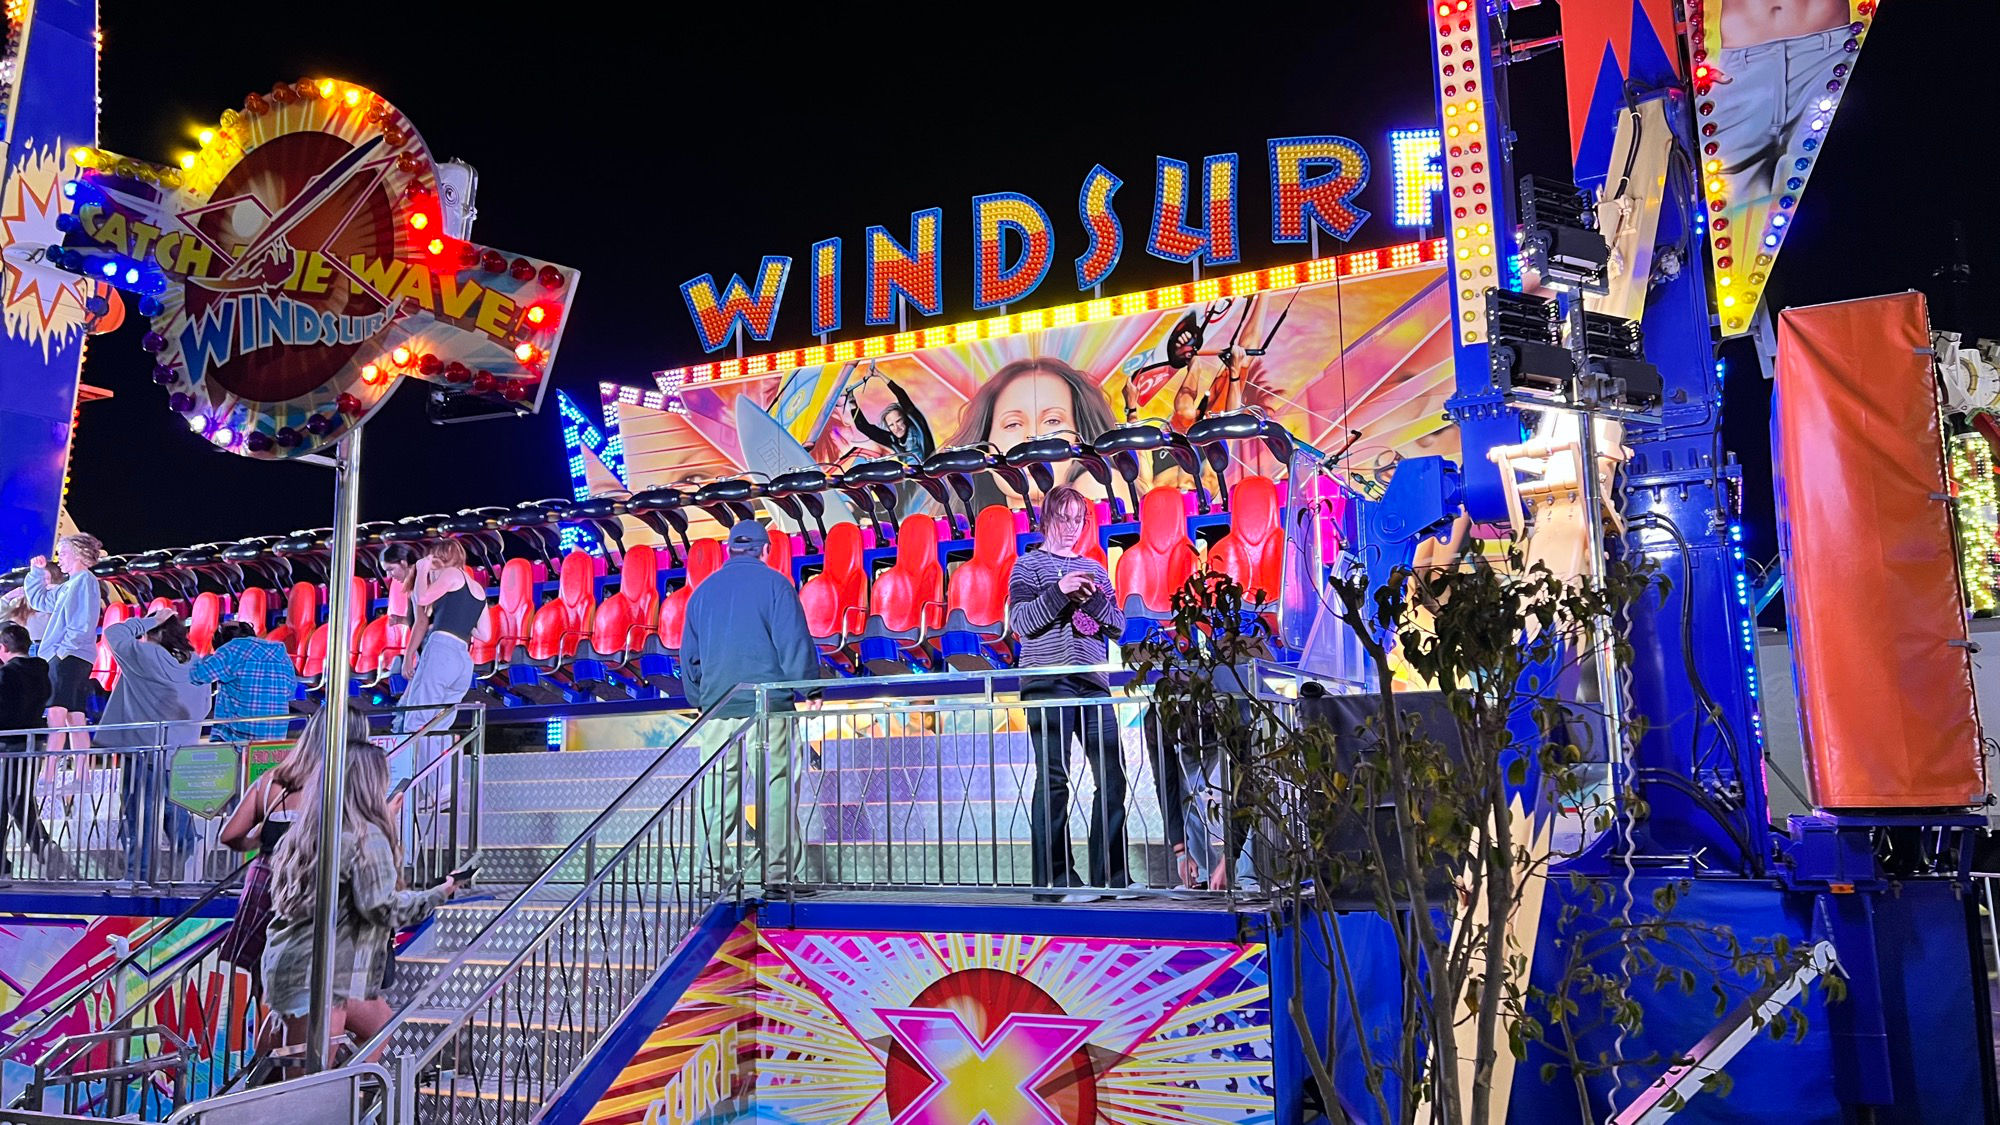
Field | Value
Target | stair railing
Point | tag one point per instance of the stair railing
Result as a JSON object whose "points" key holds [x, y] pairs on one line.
{"points": [[202, 998], [501, 1042]]}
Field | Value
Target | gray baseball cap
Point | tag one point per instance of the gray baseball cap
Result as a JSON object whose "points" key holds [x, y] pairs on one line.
{"points": [[748, 537]]}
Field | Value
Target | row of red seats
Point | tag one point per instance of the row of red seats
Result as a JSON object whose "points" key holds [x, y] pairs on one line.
{"points": [[910, 608]]}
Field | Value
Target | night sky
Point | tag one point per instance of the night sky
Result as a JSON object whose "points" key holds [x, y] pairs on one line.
{"points": [[646, 151]]}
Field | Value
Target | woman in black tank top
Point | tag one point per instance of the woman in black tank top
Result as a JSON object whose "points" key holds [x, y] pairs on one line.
{"points": [[449, 602]]}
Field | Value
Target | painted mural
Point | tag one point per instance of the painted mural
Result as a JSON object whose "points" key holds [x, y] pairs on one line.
{"points": [[45, 958], [1351, 351], [910, 1028]]}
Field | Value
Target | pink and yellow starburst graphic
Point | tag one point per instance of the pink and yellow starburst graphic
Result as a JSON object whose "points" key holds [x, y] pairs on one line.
{"points": [[41, 304]]}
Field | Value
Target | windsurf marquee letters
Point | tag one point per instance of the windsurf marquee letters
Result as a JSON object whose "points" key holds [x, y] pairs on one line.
{"points": [[1314, 183]]}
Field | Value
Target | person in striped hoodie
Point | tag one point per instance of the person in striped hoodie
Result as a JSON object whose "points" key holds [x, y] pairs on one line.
{"points": [[1061, 606]]}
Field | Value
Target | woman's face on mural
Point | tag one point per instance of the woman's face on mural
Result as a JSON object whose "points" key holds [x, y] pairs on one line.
{"points": [[1034, 405]]}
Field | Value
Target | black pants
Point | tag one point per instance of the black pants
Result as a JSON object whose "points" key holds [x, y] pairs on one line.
{"points": [[1050, 729]]}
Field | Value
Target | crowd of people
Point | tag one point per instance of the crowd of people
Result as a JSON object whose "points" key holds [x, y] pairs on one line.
{"points": [[745, 626], [165, 694]]}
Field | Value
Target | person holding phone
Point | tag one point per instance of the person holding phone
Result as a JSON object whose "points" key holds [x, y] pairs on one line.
{"points": [[1060, 604], [372, 906]]}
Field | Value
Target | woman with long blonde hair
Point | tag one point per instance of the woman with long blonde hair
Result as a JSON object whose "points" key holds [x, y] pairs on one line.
{"points": [[370, 907]]}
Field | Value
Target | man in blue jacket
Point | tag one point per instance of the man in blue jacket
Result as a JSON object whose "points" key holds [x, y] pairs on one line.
{"points": [[745, 627]]}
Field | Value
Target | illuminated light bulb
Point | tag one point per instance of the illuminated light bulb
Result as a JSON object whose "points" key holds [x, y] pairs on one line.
{"points": [[326, 87], [1714, 166], [1485, 251], [187, 161], [370, 373], [1777, 220], [1715, 187], [132, 276], [1464, 252], [1825, 105], [1451, 111], [1725, 280], [206, 137], [420, 220], [224, 435], [1729, 302], [437, 246], [352, 97], [1461, 232], [1819, 123], [537, 314], [1472, 126], [401, 356], [1770, 240], [1482, 229], [525, 352], [196, 422], [111, 269], [1451, 131]]}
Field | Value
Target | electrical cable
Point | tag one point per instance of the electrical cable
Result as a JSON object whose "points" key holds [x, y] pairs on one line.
{"points": [[1717, 716]]}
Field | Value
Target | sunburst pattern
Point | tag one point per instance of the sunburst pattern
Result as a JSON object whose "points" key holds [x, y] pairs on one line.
{"points": [[1181, 1030]]}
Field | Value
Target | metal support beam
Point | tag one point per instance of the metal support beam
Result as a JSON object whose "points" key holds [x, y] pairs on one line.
{"points": [[333, 767]]}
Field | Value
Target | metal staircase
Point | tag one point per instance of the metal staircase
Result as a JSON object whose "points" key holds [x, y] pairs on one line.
{"points": [[510, 997]]}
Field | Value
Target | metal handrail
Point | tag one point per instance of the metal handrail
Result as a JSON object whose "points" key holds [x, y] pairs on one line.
{"points": [[353, 1075], [585, 841], [61, 1008], [196, 956]]}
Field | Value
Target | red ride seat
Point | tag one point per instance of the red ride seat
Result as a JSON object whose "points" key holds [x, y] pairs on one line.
{"points": [[203, 617], [312, 661], [514, 614], [1253, 551], [624, 621], [976, 596], [836, 598], [639, 590], [704, 559], [1160, 563], [565, 620], [301, 614], [779, 555], [253, 606], [1093, 538], [906, 604], [104, 669], [484, 653]]}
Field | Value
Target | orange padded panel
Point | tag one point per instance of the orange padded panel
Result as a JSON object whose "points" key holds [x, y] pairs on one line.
{"points": [[1877, 617]]}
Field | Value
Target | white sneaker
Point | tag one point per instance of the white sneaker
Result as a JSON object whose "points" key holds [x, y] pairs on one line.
{"points": [[1081, 898], [1132, 890]]}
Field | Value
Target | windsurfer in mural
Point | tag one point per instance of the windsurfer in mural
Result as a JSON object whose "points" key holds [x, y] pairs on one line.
{"points": [[903, 431], [1775, 62]]}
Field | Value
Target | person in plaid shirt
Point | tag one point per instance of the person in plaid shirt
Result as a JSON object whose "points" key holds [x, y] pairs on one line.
{"points": [[253, 678]]}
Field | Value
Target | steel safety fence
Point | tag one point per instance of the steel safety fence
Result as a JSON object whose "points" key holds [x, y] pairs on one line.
{"points": [[172, 1018], [496, 1031]]}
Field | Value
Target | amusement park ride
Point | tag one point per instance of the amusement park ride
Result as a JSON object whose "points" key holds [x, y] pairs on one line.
{"points": [[311, 255]]}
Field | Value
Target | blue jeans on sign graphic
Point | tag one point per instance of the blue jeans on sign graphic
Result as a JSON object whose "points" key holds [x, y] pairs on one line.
{"points": [[1765, 110]]}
